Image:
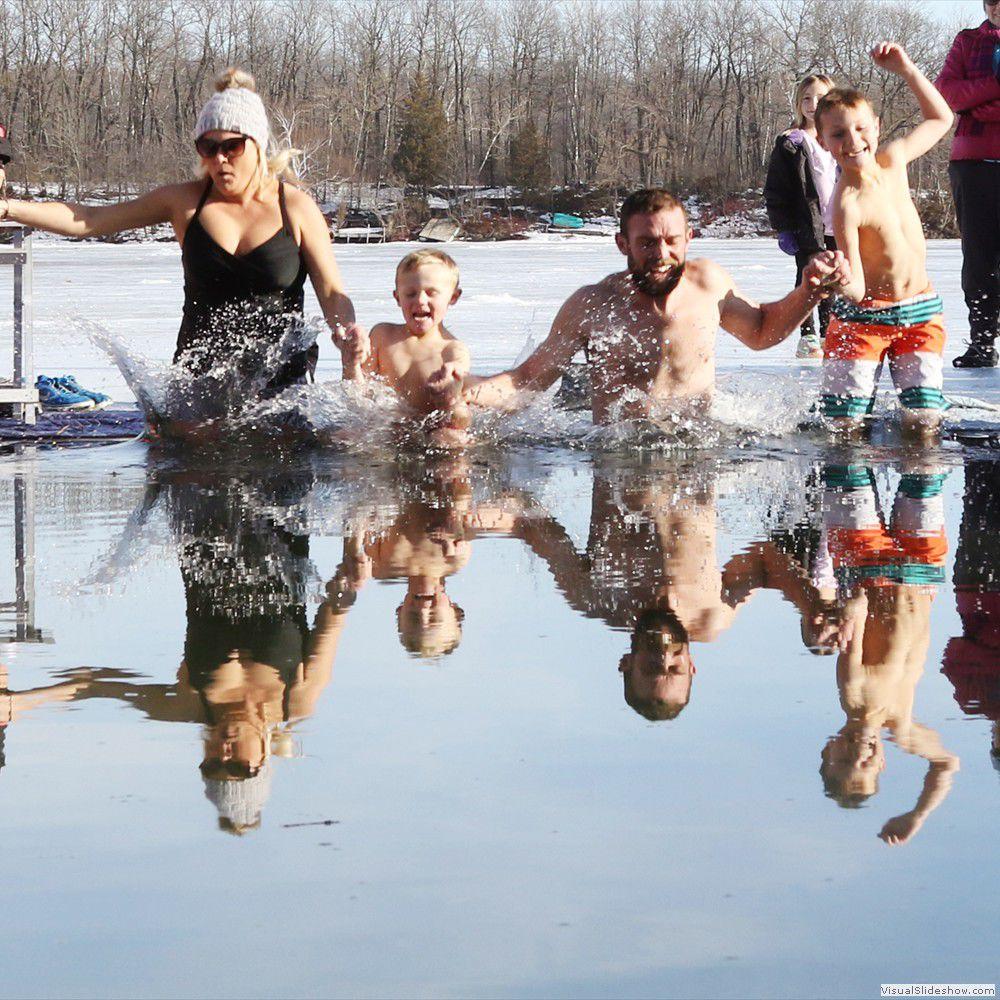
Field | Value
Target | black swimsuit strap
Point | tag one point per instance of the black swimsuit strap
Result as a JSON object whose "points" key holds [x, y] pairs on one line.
{"points": [[285, 224], [203, 199]]}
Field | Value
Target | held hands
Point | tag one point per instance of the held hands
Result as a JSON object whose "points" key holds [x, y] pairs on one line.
{"points": [[892, 58], [353, 343], [826, 273], [447, 380], [827, 627]]}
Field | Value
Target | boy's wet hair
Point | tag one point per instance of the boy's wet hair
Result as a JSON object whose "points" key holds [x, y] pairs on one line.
{"points": [[646, 201], [835, 785], [839, 97], [419, 257], [435, 642], [800, 89]]}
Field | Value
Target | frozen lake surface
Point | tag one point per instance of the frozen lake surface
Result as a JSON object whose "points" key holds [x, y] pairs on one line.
{"points": [[512, 291], [374, 725]]}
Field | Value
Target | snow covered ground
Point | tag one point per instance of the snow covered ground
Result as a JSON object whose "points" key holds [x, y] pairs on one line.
{"points": [[512, 291]]}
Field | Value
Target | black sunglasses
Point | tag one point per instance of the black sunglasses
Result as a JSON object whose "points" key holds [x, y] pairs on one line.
{"points": [[237, 769], [208, 149]]}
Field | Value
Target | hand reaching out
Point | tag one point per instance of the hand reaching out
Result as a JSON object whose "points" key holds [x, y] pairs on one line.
{"points": [[900, 829], [447, 380], [353, 343]]}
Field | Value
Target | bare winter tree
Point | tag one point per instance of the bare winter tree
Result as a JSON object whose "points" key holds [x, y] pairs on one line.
{"points": [[101, 94]]}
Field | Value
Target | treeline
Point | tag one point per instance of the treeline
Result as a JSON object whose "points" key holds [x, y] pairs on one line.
{"points": [[103, 94]]}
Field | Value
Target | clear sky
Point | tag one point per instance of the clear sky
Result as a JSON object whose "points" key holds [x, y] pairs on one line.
{"points": [[969, 12]]}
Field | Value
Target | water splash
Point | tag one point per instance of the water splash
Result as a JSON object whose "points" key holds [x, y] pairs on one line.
{"points": [[226, 402], [230, 397]]}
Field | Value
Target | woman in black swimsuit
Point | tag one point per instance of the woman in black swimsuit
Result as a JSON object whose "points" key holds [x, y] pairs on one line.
{"points": [[247, 238]]}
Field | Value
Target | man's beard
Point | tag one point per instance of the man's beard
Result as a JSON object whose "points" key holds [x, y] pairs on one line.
{"points": [[655, 286]]}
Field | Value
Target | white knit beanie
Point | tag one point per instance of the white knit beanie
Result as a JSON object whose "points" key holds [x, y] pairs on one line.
{"points": [[240, 802], [235, 109]]}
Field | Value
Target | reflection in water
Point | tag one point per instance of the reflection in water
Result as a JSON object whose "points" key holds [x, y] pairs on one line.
{"points": [[972, 660], [885, 574], [428, 541], [14, 704], [256, 659], [651, 567], [252, 665]]}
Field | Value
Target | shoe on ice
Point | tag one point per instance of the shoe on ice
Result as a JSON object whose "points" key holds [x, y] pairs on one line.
{"points": [[809, 347], [53, 397], [977, 356], [70, 384]]}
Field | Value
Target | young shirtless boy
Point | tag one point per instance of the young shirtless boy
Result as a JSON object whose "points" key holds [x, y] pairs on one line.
{"points": [[419, 358], [888, 307], [887, 576]]}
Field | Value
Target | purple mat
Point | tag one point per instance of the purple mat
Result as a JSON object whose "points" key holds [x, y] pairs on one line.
{"points": [[99, 425]]}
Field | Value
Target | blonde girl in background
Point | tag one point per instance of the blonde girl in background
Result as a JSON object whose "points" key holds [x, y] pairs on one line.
{"points": [[798, 192]]}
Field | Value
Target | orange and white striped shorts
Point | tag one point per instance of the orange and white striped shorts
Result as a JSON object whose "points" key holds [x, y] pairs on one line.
{"points": [[910, 333]]}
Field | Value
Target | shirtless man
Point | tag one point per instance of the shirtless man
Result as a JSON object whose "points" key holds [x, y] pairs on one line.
{"points": [[650, 566], [649, 332]]}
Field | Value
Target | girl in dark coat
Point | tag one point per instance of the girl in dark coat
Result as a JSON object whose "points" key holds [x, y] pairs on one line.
{"points": [[798, 192]]}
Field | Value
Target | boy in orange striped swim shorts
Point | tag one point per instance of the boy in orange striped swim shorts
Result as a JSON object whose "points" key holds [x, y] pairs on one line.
{"points": [[888, 308], [886, 573]]}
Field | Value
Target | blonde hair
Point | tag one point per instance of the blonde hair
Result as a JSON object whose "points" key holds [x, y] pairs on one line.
{"points": [[420, 257], [269, 169], [840, 97], [800, 89]]}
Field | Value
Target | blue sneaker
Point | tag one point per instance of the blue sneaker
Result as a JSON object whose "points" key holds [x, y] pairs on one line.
{"points": [[54, 397], [70, 384]]}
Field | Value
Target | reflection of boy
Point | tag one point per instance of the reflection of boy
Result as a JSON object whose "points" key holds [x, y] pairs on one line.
{"points": [[888, 307], [972, 660], [419, 359], [430, 540], [888, 577]]}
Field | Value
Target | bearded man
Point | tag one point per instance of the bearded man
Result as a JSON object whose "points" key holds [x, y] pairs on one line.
{"points": [[648, 333]]}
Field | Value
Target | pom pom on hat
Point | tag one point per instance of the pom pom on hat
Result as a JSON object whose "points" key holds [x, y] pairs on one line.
{"points": [[240, 803], [236, 107]]}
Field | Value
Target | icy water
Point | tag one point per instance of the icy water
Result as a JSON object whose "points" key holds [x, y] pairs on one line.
{"points": [[431, 665], [533, 721]]}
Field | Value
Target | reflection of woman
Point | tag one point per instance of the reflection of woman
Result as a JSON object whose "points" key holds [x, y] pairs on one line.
{"points": [[969, 82], [248, 240], [252, 665], [798, 194]]}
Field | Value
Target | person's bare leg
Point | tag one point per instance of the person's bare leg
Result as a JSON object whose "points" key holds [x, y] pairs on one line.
{"points": [[921, 425], [846, 428]]}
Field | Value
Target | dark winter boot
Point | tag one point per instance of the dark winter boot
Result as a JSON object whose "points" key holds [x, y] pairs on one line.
{"points": [[980, 354]]}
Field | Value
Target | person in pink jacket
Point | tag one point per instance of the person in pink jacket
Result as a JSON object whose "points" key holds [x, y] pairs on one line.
{"points": [[970, 83]]}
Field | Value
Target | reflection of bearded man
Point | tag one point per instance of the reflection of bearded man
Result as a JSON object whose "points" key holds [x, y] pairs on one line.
{"points": [[656, 279]]}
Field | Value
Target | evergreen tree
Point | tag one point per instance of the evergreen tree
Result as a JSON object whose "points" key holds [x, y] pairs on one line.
{"points": [[528, 165], [424, 137]]}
